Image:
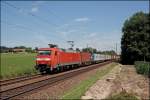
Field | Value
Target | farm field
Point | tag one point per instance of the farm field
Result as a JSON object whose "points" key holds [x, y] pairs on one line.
{"points": [[13, 65]]}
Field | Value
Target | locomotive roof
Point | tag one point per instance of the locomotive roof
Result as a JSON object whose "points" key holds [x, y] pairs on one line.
{"points": [[47, 48], [57, 49]]}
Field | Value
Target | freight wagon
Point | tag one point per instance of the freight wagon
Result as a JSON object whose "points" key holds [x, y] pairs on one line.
{"points": [[96, 58]]}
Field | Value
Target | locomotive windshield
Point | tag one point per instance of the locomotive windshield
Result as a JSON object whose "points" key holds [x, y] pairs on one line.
{"points": [[44, 52]]}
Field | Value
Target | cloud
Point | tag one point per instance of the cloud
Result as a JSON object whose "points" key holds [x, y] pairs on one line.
{"points": [[34, 9], [100, 40], [62, 26], [91, 35], [73, 24], [64, 33], [22, 11], [83, 19], [37, 3], [42, 40]]}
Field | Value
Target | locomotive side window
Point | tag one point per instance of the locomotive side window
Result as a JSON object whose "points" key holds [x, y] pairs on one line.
{"points": [[56, 53], [44, 52]]}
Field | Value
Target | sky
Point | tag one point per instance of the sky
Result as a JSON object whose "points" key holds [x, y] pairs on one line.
{"points": [[94, 24]]}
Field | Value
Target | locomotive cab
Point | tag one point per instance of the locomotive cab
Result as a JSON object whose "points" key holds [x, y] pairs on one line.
{"points": [[45, 59]]}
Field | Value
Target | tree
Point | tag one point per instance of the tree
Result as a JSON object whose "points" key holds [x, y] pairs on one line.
{"points": [[20, 47], [29, 49], [36, 48], [111, 52], [4, 49], [77, 49], [135, 42], [89, 49]]}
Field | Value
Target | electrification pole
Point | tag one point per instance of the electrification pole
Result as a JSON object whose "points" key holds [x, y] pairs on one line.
{"points": [[116, 48], [71, 43]]}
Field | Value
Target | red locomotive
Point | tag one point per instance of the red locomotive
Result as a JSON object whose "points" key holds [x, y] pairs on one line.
{"points": [[49, 59]]}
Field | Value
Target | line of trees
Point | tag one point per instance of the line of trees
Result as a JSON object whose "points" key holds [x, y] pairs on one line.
{"points": [[135, 42], [93, 50], [4, 49]]}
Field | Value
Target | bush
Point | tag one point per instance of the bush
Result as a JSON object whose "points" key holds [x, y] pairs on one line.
{"points": [[123, 96], [142, 67]]}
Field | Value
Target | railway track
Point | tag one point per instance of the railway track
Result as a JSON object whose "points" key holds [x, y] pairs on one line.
{"points": [[17, 91], [18, 79]]}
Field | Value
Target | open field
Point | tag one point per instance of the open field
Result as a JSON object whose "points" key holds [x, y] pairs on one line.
{"points": [[13, 65]]}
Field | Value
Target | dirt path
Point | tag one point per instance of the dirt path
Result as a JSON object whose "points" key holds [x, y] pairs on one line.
{"points": [[131, 82], [121, 78]]}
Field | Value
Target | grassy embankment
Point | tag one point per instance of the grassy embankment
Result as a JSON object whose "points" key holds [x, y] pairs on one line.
{"points": [[77, 91], [142, 67], [13, 65]]}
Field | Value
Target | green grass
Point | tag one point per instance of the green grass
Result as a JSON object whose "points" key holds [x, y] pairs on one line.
{"points": [[122, 96], [142, 67], [13, 65], [77, 91]]}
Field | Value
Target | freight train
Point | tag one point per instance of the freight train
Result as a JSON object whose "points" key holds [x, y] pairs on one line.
{"points": [[55, 59]]}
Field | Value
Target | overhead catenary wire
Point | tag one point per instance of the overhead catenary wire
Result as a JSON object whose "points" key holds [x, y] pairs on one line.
{"points": [[58, 17], [29, 30], [35, 16], [16, 25], [25, 28], [20, 9], [31, 14]]}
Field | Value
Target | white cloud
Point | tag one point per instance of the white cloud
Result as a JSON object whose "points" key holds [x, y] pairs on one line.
{"points": [[22, 11], [35, 9], [36, 3], [64, 33], [61, 27], [83, 19], [91, 35], [100, 40]]}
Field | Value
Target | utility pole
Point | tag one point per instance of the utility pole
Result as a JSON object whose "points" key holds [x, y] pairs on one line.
{"points": [[116, 48]]}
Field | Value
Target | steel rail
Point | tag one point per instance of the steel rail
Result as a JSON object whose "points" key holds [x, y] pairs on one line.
{"points": [[18, 79]]}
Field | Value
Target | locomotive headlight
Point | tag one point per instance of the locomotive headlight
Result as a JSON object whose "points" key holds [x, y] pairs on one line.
{"points": [[38, 59], [46, 59]]}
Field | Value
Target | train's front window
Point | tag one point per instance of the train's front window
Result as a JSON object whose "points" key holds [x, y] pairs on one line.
{"points": [[44, 52]]}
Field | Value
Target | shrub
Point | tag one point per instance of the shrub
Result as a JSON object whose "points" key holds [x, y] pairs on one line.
{"points": [[122, 96], [142, 67]]}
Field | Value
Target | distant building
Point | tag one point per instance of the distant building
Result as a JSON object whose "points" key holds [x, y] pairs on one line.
{"points": [[19, 50]]}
